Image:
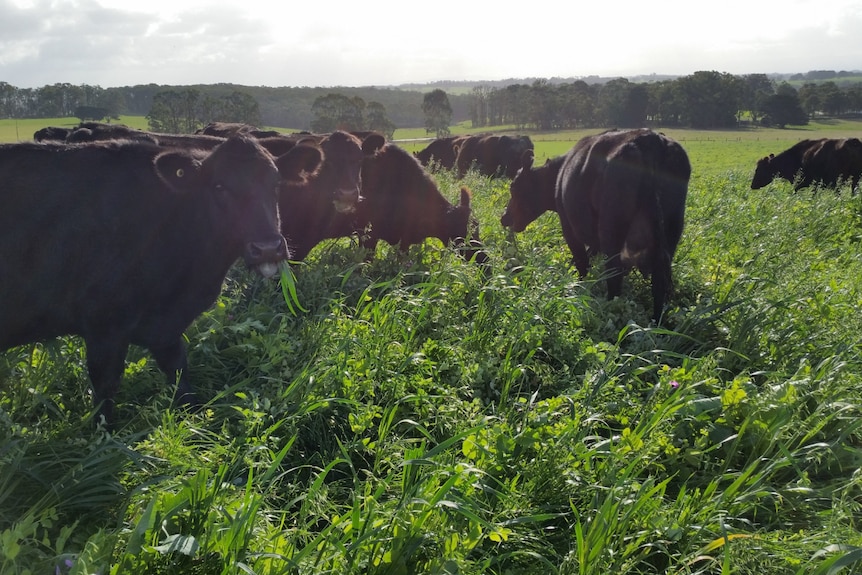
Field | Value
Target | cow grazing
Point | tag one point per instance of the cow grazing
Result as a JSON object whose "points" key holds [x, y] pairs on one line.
{"points": [[443, 151], [619, 193], [52, 134], [316, 209], [492, 155], [827, 161], [402, 205], [225, 129], [276, 143], [126, 243], [95, 131]]}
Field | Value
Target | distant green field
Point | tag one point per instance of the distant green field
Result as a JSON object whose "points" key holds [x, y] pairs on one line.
{"points": [[711, 152]]}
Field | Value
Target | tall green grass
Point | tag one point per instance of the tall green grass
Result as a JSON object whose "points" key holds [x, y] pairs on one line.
{"points": [[426, 416]]}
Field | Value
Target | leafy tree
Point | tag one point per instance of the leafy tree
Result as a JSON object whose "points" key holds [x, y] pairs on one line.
{"points": [[175, 111], [517, 105], [184, 111], [623, 104], [114, 101], [756, 88], [480, 104], [577, 105], [784, 108], [8, 100], [667, 103], [438, 112], [809, 98], [85, 113], [376, 119], [240, 107], [711, 99], [544, 105], [853, 94], [832, 99], [337, 112]]}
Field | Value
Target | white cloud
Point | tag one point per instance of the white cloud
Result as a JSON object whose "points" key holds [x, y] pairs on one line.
{"points": [[112, 42]]}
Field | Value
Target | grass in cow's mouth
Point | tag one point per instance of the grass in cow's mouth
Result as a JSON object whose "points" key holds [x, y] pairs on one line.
{"points": [[288, 287]]}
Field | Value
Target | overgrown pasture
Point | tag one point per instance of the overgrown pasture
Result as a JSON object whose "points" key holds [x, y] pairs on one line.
{"points": [[423, 415]]}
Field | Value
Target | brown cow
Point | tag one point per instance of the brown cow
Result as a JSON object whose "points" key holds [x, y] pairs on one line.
{"points": [[311, 209], [402, 205], [827, 161], [619, 193], [492, 155], [315, 210], [127, 242]]}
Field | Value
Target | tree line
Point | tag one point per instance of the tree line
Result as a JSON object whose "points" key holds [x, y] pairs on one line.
{"points": [[705, 100], [285, 107]]}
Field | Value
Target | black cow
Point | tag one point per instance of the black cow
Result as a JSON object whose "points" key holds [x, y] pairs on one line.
{"points": [[95, 131], [225, 129], [125, 242], [402, 205], [317, 209], [492, 155], [826, 160], [98, 132], [312, 210], [619, 193], [52, 134], [443, 151], [276, 143]]}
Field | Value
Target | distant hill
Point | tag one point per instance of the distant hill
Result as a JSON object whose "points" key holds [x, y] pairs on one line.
{"points": [[466, 86]]}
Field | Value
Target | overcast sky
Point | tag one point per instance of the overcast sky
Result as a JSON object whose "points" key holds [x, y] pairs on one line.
{"points": [[378, 43]]}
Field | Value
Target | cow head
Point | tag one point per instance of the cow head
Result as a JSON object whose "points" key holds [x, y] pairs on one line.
{"points": [[763, 172], [530, 195], [340, 173], [512, 151], [464, 230], [234, 188]]}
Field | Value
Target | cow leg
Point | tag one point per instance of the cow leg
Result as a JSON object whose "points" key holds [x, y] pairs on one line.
{"points": [[106, 362], [172, 360], [580, 257], [661, 281], [612, 233], [370, 244]]}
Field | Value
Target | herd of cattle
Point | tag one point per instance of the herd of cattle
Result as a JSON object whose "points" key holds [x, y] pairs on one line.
{"points": [[124, 236]]}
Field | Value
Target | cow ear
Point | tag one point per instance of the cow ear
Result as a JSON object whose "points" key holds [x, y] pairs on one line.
{"points": [[527, 159], [465, 197], [299, 163], [277, 145], [178, 170], [372, 143]]}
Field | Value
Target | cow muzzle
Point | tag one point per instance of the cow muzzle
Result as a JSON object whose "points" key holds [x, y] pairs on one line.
{"points": [[508, 221], [344, 201], [264, 256]]}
